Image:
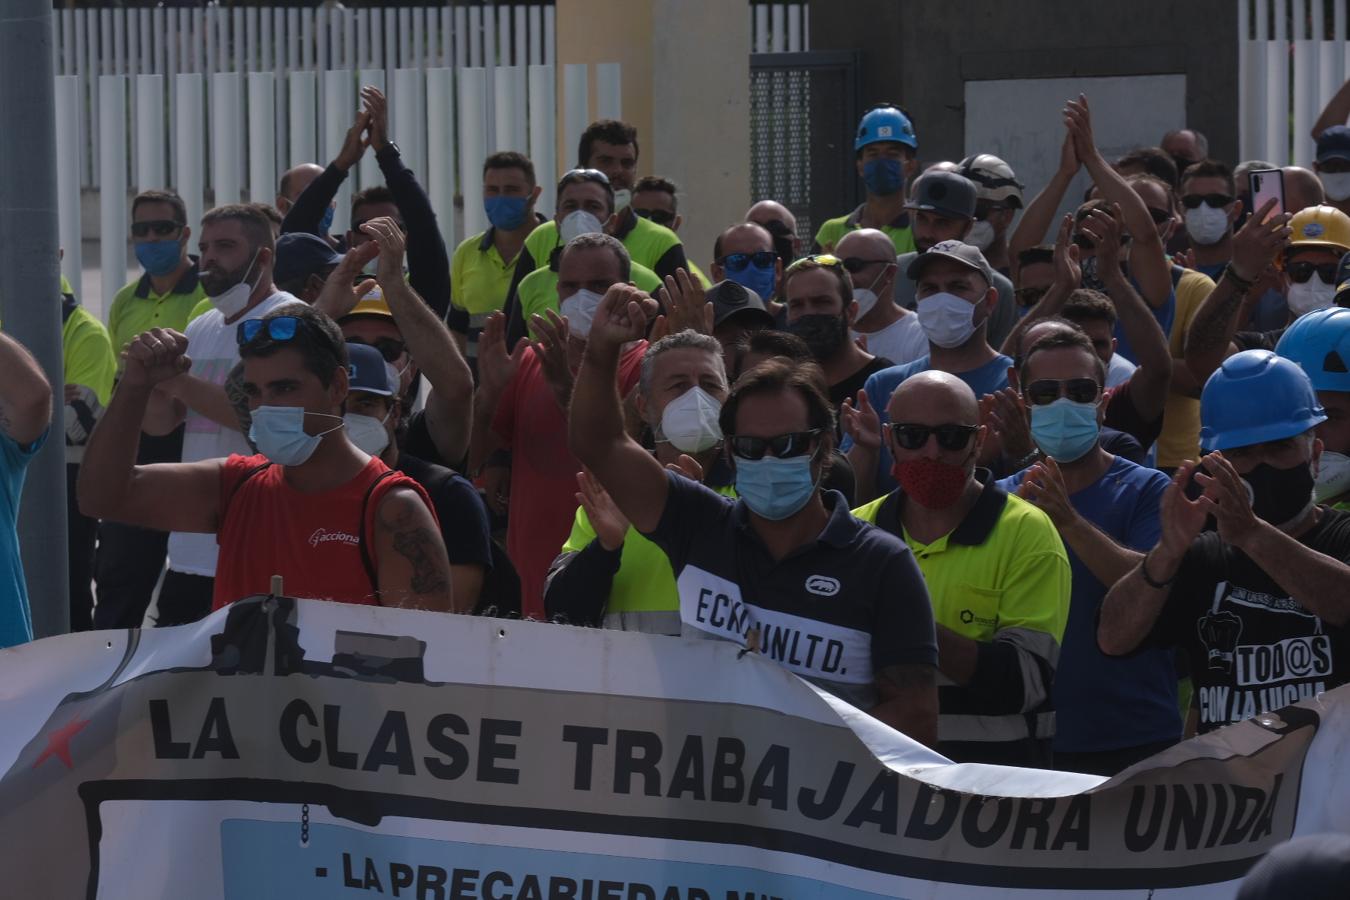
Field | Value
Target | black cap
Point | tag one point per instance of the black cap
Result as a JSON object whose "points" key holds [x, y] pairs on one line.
{"points": [[944, 193], [731, 299], [301, 254]]}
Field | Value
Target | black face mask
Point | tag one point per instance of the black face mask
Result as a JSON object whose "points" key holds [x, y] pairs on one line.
{"points": [[1278, 495], [823, 333]]}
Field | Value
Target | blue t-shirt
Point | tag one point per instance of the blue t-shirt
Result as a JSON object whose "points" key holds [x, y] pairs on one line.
{"points": [[1112, 702], [16, 626], [1165, 314], [990, 377]]}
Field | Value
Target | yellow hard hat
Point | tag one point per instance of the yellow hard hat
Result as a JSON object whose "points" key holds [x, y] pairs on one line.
{"points": [[373, 304], [1320, 226]]}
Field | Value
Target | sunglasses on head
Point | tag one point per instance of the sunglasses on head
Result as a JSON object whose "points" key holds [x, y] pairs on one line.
{"points": [[390, 348], [279, 329], [574, 175], [783, 446], [853, 264], [828, 260], [1192, 201], [659, 216], [738, 262], [158, 227], [1044, 391], [912, 436], [1300, 272]]}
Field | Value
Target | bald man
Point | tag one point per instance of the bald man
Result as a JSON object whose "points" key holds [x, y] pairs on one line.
{"points": [[745, 254], [293, 183], [891, 331], [779, 221], [996, 570], [1302, 189]]}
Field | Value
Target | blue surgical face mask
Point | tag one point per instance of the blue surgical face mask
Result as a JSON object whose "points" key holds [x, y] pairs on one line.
{"points": [[1065, 429], [158, 257], [774, 488], [279, 434], [505, 213], [883, 176], [759, 279], [326, 223]]}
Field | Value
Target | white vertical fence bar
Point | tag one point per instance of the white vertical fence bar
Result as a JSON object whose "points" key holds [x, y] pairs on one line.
{"points": [[119, 37], [251, 55], [419, 37], [112, 198], [69, 54], [91, 68], [543, 146], [339, 104], [608, 91], [262, 156], [550, 17], [369, 169], [536, 38], [405, 44], [760, 15], [238, 42], [405, 115], [1305, 87], [161, 45], [446, 50], [475, 36], [440, 176], [779, 28], [226, 146], [391, 54], [794, 26], [1244, 76], [576, 108], [1331, 56], [522, 56], [473, 138], [490, 51], [303, 119], [68, 140], [307, 39], [461, 32], [133, 30], [362, 39], [189, 126], [509, 95], [1277, 91], [150, 148], [81, 72]]}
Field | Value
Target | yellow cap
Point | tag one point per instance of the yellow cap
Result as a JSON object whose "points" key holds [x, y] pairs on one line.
{"points": [[372, 304], [1320, 226]]}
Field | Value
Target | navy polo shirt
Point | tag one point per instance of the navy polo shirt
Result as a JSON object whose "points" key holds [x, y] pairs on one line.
{"points": [[836, 611]]}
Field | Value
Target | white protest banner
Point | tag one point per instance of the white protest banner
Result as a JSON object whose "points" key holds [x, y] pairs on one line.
{"points": [[301, 749]]}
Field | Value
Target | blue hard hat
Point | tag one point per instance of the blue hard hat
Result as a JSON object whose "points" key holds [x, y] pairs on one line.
{"points": [[1320, 343], [1255, 397], [885, 123]]}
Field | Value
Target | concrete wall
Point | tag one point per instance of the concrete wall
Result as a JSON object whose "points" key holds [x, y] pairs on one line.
{"points": [[920, 53]]}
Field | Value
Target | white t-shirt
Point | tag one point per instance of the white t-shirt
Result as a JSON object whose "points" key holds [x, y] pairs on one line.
{"points": [[214, 351], [901, 341], [1118, 370]]}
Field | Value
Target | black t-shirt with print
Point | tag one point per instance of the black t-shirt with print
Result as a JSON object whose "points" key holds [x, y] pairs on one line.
{"points": [[1252, 647]]}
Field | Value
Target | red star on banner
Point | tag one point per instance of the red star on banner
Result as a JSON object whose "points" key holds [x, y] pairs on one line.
{"points": [[58, 743]]}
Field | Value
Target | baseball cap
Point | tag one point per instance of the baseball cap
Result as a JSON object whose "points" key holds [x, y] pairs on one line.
{"points": [[1334, 143], [372, 304], [731, 299], [945, 193], [300, 254], [369, 372], [967, 255]]}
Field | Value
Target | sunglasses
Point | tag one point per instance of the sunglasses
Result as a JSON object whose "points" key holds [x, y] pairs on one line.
{"points": [[783, 446], [1192, 201], [1159, 216], [279, 329], [158, 227], [1300, 272], [982, 209], [911, 436], [659, 216], [738, 262], [574, 175], [820, 259], [390, 348], [1030, 296], [1044, 391], [853, 264]]}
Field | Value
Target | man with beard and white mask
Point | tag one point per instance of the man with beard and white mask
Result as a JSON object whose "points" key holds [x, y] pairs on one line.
{"points": [[943, 206], [820, 309], [890, 331], [608, 574], [996, 571], [1320, 343], [998, 198], [1259, 604], [235, 269], [521, 408], [956, 297], [585, 205]]}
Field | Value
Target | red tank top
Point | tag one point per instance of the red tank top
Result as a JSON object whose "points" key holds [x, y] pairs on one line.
{"points": [[313, 541]]}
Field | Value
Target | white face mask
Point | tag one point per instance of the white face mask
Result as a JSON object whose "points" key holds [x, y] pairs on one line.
{"points": [[1336, 184], [367, 432], [981, 235], [1333, 476], [622, 197], [579, 310], [577, 223], [689, 422], [1313, 294], [234, 300], [1206, 225], [947, 320], [867, 297]]}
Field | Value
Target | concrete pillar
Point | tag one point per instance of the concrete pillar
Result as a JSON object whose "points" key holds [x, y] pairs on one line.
{"points": [[692, 116]]}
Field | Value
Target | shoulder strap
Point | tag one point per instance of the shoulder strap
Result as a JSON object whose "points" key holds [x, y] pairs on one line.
{"points": [[239, 484], [366, 561]]}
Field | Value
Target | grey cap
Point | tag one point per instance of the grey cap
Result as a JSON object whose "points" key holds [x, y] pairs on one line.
{"points": [[944, 193], [730, 299], [967, 255]]}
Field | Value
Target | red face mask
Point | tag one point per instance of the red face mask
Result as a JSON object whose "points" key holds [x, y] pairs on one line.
{"points": [[932, 483]]}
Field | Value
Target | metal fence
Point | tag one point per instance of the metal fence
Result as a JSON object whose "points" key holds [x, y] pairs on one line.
{"points": [[780, 27]]}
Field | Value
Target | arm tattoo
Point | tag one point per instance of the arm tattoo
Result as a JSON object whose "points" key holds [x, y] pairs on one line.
{"points": [[1210, 329], [415, 543]]}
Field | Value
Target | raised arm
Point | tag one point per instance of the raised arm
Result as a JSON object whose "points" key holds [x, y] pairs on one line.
{"points": [[307, 211], [1108, 561], [412, 568], [25, 394], [1068, 278], [1336, 112], [1039, 216], [595, 431], [165, 496]]}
